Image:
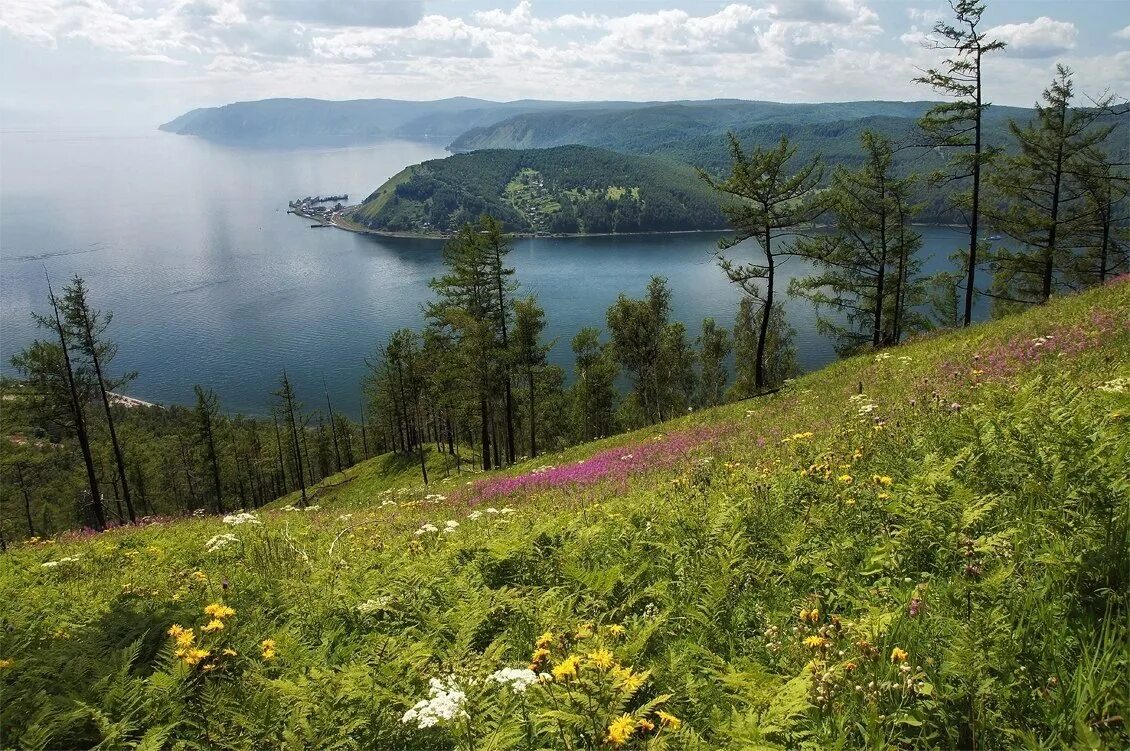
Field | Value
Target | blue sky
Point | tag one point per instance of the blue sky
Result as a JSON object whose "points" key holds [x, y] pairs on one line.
{"points": [[145, 61]]}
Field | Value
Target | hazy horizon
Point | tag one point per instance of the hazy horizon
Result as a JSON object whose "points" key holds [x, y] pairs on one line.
{"points": [[144, 62]]}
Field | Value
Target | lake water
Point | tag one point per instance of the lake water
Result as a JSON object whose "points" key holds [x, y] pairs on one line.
{"points": [[212, 282]]}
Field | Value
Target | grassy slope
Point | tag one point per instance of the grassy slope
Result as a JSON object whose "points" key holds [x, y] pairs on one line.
{"points": [[771, 562]]}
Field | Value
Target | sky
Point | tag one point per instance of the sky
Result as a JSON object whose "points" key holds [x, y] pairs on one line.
{"points": [[78, 63]]}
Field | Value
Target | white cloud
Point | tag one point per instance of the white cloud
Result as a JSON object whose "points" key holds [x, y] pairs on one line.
{"points": [[1043, 37], [1123, 33]]}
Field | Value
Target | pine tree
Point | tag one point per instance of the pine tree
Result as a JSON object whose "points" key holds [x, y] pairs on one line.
{"points": [[768, 200], [957, 126]]}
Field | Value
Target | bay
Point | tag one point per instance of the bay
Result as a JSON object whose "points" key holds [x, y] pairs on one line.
{"points": [[212, 282]]}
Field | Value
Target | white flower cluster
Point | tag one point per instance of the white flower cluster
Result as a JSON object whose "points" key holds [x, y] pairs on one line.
{"points": [[426, 528], [1040, 341], [373, 605], [241, 518], [61, 561], [220, 541], [543, 469], [1117, 386], [388, 502], [866, 406], [450, 526], [435, 497], [882, 356], [292, 507], [475, 515], [503, 511], [518, 679], [445, 702]]}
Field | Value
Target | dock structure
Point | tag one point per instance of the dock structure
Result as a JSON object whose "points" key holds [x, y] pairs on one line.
{"points": [[131, 402]]}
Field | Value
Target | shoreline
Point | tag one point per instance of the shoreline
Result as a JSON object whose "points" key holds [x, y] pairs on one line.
{"points": [[338, 222]]}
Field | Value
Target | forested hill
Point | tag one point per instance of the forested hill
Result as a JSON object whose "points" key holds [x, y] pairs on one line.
{"points": [[696, 133], [568, 189]]}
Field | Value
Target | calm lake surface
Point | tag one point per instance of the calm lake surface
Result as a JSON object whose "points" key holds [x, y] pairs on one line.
{"points": [[212, 282]]}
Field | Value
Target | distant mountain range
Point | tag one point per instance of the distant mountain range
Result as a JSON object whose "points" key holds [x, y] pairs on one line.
{"points": [[681, 133]]}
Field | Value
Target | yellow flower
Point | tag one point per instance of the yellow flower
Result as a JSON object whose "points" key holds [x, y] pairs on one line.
{"points": [[816, 642], [602, 658], [883, 496], [193, 656], [584, 632], [614, 629], [200, 576], [898, 655], [230, 652], [6, 664], [567, 668], [668, 720], [218, 610], [621, 730], [544, 640], [176, 631], [810, 616], [183, 636], [646, 725], [213, 625], [883, 480], [845, 479], [628, 680]]}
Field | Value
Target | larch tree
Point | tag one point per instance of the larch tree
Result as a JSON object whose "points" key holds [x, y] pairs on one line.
{"points": [[495, 246], [1043, 204], [61, 390], [87, 328], [530, 354], [864, 266], [291, 410], [207, 415], [767, 200], [956, 127]]}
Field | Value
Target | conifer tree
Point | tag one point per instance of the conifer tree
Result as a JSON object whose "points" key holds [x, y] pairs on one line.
{"points": [[207, 415], [291, 410], [766, 200], [957, 126], [61, 391], [866, 265], [93, 348], [1043, 200], [530, 354]]}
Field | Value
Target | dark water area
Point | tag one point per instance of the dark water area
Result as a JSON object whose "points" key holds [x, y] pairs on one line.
{"points": [[212, 282]]}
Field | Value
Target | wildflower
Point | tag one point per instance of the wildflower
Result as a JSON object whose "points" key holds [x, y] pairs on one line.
{"points": [[567, 668], [602, 659], [628, 680], [241, 518], [846, 479], [584, 632], [810, 616], [219, 610], [426, 528], [517, 679], [614, 629], [816, 642], [544, 640], [883, 480], [220, 541], [450, 526], [268, 646], [199, 576], [475, 515], [898, 655], [621, 730], [6, 664], [184, 637], [539, 656], [646, 725], [213, 626], [230, 652], [668, 720], [194, 656], [444, 702]]}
